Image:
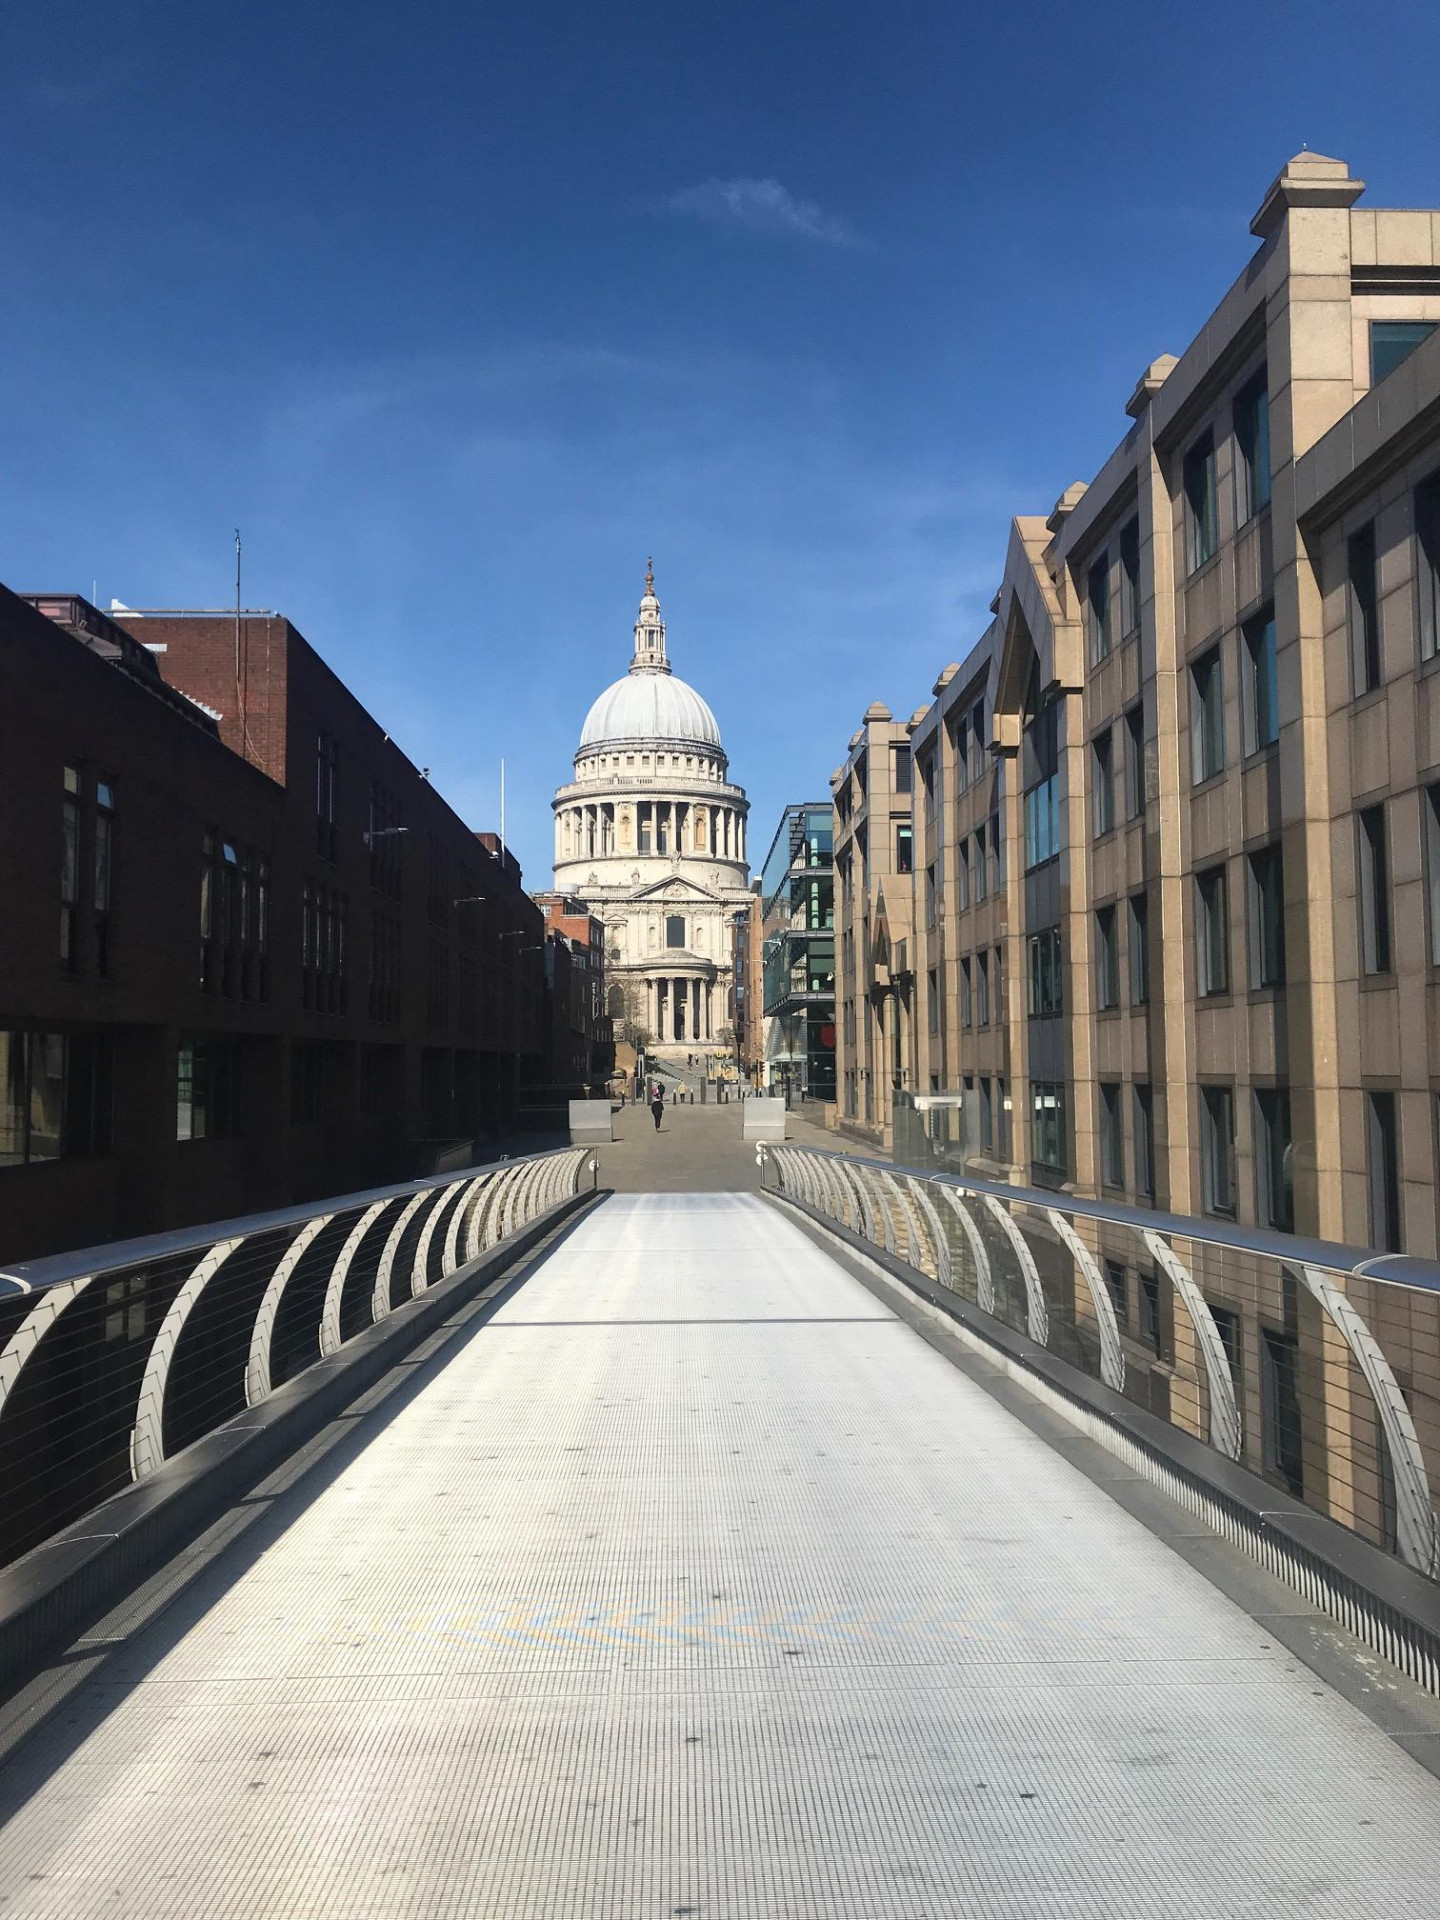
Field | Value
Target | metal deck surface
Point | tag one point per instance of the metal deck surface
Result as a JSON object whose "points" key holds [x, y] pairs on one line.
{"points": [[697, 1583]]}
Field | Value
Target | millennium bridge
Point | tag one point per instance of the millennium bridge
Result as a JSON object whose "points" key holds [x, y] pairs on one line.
{"points": [[686, 1527]]}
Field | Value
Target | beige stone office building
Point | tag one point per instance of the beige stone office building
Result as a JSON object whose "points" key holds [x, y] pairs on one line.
{"points": [[874, 985], [1176, 827], [650, 835]]}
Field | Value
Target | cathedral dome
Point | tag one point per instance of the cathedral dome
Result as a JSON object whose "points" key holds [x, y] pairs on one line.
{"points": [[649, 703]]}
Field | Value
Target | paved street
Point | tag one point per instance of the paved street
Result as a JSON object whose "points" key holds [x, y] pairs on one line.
{"points": [[695, 1582], [697, 1150]]}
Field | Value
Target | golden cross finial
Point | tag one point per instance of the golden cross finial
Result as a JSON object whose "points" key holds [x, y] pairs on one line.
{"points": [[649, 576]]}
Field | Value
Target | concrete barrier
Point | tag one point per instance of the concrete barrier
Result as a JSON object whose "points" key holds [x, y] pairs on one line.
{"points": [[764, 1119], [590, 1120]]}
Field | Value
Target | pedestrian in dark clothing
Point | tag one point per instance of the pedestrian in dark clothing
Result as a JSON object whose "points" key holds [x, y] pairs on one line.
{"points": [[657, 1103]]}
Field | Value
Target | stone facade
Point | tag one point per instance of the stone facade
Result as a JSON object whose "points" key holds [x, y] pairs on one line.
{"points": [[650, 834]]}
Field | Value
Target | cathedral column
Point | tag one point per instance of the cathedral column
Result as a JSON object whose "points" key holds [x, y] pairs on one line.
{"points": [[695, 1005]]}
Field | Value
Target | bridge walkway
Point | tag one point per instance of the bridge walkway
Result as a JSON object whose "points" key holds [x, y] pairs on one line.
{"points": [[696, 1582]]}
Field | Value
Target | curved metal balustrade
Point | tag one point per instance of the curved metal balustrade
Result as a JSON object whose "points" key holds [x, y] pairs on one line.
{"points": [[1315, 1367], [115, 1358]]}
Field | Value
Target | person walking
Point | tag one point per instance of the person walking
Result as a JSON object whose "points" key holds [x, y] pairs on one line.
{"points": [[657, 1103]]}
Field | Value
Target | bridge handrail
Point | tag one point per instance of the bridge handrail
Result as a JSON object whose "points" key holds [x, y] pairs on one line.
{"points": [[114, 1358], [1284, 1354]]}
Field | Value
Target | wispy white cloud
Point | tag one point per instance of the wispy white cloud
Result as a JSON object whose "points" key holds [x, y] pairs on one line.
{"points": [[763, 206]]}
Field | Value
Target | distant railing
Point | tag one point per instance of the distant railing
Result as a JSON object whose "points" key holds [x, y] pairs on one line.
{"points": [[1314, 1366], [115, 1358]]}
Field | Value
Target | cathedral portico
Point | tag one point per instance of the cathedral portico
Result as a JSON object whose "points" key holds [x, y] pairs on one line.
{"points": [[651, 835]]}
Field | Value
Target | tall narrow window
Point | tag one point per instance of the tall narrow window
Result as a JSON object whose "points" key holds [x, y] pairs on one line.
{"points": [[1201, 531], [1139, 937], [1135, 761], [1046, 981], [982, 989], [70, 871], [674, 930], [982, 877], [902, 769], [1129, 577], [997, 855], [1274, 1191], [1427, 564], [904, 848], [1098, 598], [1041, 761], [326, 831], [962, 877], [987, 1116], [1374, 891], [1252, 444], [1102, 782], [104, 866], [1207, 717], [1430, 808], [1267, 918], [1143, 1129], [1364, 605], [1382, 1149], [1112, 1135], [1107, 959], [1281, 1450], [1047, 1124], [1262, 701], [1212, 933], [967, 1008], [1217, 1148]]}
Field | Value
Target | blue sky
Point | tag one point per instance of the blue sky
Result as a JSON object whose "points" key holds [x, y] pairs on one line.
{"points": [[459, 312]]}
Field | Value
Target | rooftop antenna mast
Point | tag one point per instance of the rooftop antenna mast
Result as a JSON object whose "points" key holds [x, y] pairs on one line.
{"points": [[239, 685], [502, 806]]}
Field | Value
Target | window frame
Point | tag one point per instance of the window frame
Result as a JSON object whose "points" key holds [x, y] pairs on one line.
{"points": [[1207, 715], [1102, 782], [1251, 416], [1264, 885], [1217, 1149], [1212, 917], [1261, 682], [1112, 1134], [1362, 610], [1202, 528], [1372, 892], [1107, 958]]}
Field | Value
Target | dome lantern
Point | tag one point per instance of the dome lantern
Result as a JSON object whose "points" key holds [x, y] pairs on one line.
{"points": [[651, 704]]}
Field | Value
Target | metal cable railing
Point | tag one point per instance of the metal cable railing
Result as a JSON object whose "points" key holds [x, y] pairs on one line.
{"points": [[113, 1359], [1315, 1367]]}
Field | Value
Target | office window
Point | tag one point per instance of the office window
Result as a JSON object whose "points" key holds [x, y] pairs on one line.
{"points": [[1107, 958], [1364, 609], [902, 769], [982, 989], [1138, 909], [1281, 1450], [981, 875], [1382, 1156], [1129, 577], [1135, 761], [977, 740], [1201, 529], [1212, 933], [1047, 1124], [307, 1083], [207, 1089], [1374, 891], [1142, 1128], [1430, 811], [1267, 918], [967, 1007], [930, 895], [1427, 564], [1041, 759], [70, 871], [997, 855], [1217, 1149], [1207, 716], [932, 1002], [1098, 599], [962, 877], [104, 867], [55, 1096], [1274, 1192], [1046, 989], [384, 837], [326, 830], [1392, 341], [1262, 702], [1252, 444], [1002, 1102], [987, 1117], [961, 739], [1117, 1284], [1150, 1324], [999, 985], [904, 848], [1112, 1135], [1102, 782]]}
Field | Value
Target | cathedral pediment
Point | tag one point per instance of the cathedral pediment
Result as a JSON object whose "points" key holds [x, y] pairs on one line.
{"points": [[678, 887]]}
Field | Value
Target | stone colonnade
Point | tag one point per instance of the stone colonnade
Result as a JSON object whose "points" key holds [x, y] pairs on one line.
{"points": [[591, 829], [679, 1008]]}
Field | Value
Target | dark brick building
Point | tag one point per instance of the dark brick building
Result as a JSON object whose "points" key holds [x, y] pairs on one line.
{"points": [[581, 1050], [248, 955]]}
